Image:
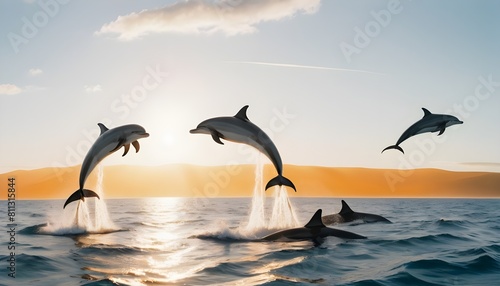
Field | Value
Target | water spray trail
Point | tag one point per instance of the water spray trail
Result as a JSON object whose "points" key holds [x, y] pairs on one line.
{"points": [[257, 215], [283, 215], [102, 221]]}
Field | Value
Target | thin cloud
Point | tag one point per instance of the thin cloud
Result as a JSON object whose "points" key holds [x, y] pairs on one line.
{"points": [[481, 164], [93, 88], [35, 72], [303, 67], [9, 89], [230, 17]]}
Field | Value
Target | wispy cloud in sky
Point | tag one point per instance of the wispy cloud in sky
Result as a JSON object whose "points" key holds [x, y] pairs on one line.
{"points": [[302, 67], [35, 71], [9, 89], [231, 17], [93, 88]]}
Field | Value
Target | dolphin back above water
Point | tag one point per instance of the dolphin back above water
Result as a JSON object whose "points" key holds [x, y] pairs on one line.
{"points": [[109, 141], [314, 230], [240, 129], [429, 123], [346, 214]]}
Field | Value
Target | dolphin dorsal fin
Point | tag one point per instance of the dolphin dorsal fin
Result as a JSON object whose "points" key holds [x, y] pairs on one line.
{"points": [[345, 208], [426, 112], [103, 128], [242, 114], [315, 220]]}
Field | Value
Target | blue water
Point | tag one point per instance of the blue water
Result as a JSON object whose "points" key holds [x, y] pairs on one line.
{"points": [[178, 241]]}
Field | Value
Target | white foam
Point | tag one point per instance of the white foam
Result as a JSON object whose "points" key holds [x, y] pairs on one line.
{"points": [[90, 216]]}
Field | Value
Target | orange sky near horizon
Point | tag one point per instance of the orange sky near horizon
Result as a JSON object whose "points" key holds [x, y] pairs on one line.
{"points": [[239, 181]]}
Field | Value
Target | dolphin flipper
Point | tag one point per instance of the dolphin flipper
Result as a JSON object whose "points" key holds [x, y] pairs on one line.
{"points": [[216, 136], [346, 234], [126, 147], [80, 195], [118, 146], [442, 128], [136, 146], [279, 181], [394, 147]]}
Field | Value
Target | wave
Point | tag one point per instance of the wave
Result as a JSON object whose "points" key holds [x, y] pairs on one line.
{"points": [[33, 265], [104, 282], [48, 229], [111, 249], [166, 223], [227, 235], [424, 241]]}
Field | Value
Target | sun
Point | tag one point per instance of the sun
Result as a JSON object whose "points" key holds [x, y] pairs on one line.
{"points": [[168, 139]]}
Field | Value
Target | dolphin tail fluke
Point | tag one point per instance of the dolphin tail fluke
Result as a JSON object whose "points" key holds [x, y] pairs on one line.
{"points": [[80, 195], [394, 147], [280, 181], [89, 194]]}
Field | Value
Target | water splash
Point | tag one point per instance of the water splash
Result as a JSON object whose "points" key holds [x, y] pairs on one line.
{"points": [[283, 215], [83, 217], [257, 218], [102, 220]]}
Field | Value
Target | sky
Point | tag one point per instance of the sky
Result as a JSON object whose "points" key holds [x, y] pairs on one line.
{"points": [[332, 82]]}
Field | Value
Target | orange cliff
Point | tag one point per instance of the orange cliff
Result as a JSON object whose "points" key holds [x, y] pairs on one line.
{"points": [[182, 180]]}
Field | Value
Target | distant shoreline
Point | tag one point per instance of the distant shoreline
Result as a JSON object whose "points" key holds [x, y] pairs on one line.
{"points": [[184, 180]]}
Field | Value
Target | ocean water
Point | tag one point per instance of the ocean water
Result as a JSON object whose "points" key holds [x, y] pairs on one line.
{"points": [[211, 241]]}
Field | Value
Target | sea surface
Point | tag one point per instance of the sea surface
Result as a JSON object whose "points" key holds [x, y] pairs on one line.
{"points": [[212, 241]]}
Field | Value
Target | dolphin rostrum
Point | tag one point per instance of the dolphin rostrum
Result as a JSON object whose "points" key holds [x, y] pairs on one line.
{"points": [[314, 230], [109, 141], [240, 129], [429, 123], [346, 214]]}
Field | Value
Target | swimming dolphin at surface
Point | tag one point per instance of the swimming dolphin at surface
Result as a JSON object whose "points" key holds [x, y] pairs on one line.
{"points": [[314, 230], [240, 129], [108, 142], [429, 123], [346, 214]]}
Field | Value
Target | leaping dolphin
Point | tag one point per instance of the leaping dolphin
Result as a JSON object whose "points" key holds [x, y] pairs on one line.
{"points": [[109, 141], [314, 230], [240, 129], [346, 214], [429, 123]]}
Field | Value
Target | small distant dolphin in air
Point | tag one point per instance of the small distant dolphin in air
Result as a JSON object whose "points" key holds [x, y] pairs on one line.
{"points": [[429, 123], [239, 129], [108, 142], [346, 214], [314, 230]]}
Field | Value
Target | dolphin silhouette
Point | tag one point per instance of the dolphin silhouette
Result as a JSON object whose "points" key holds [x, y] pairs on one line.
{"points": [[109, 141], [314, 230], [346, 214], [429, 123], [239, 129]]}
